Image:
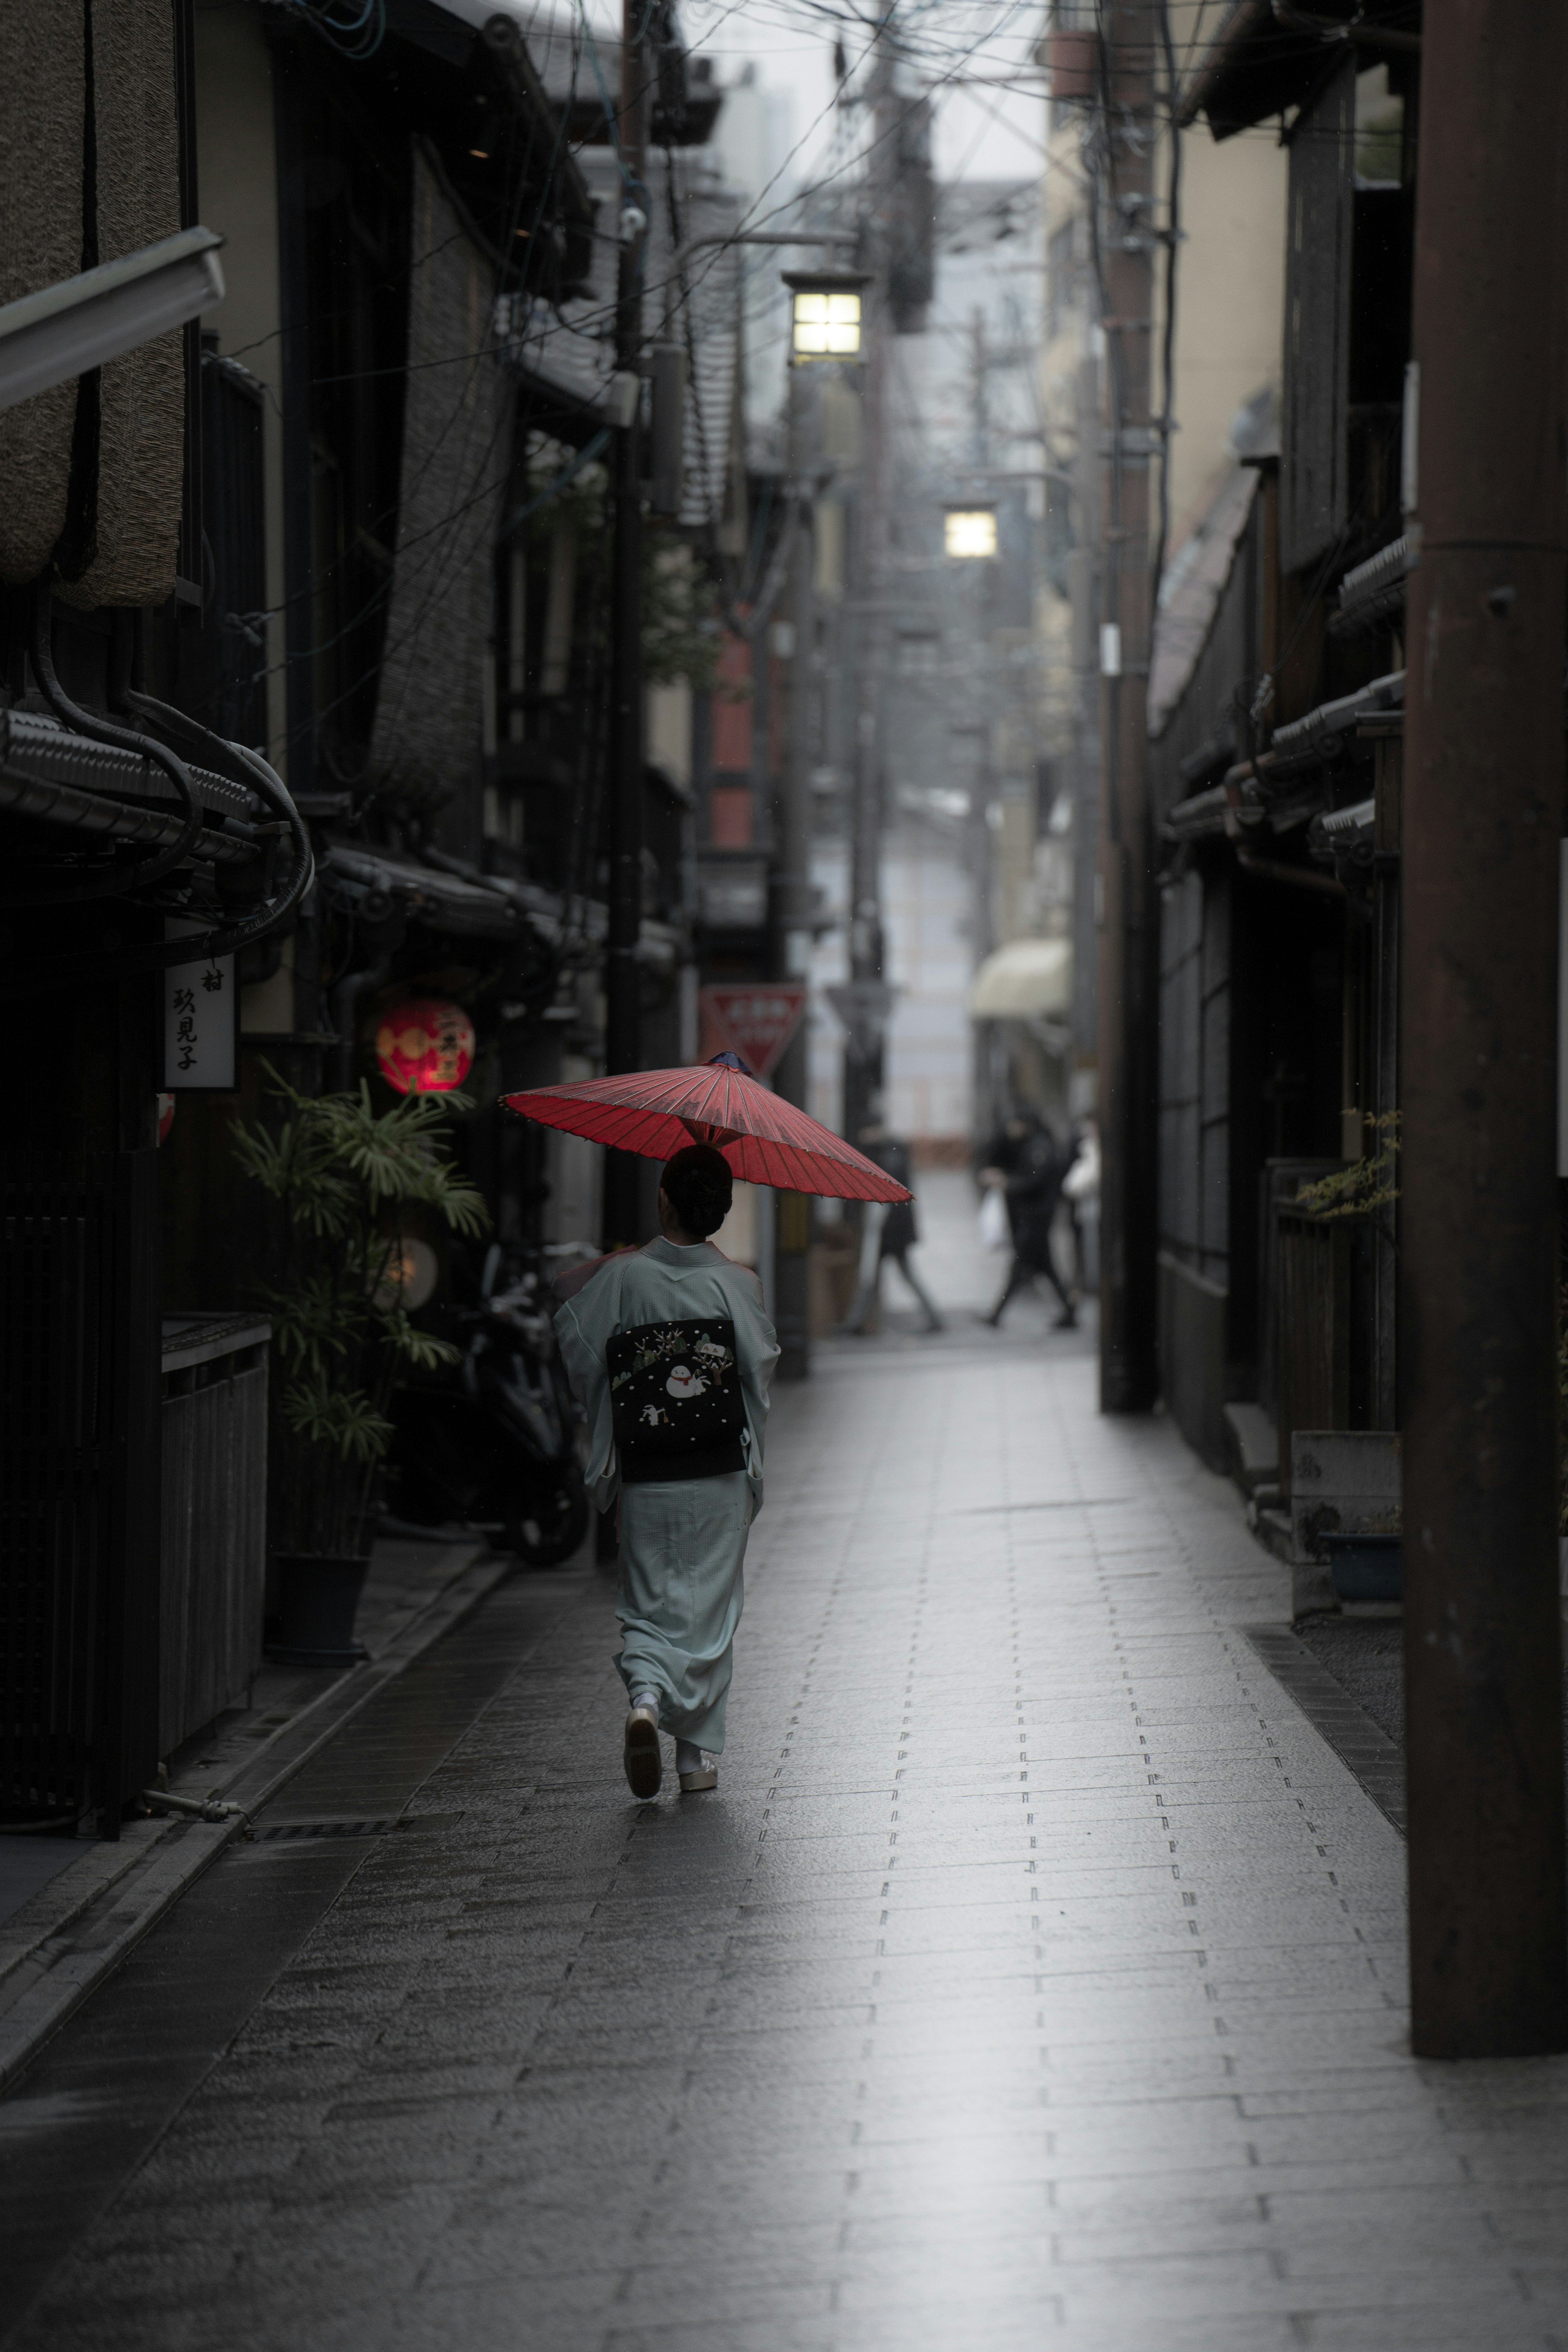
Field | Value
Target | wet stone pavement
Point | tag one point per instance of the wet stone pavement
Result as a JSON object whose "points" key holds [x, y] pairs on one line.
{"points": [[1035, 1974]]}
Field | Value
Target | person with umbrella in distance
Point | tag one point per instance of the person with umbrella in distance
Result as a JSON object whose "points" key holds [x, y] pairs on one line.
{"points": [[671, 1353]]}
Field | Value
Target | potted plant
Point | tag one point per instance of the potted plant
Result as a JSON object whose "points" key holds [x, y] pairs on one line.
{"points": [[347, 1177], [1366, 1185]]}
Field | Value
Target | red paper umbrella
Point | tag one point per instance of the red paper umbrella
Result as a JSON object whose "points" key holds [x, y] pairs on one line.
{"points": [[765, 1139]]}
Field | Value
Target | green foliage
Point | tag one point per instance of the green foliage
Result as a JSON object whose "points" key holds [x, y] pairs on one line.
{"points": [[683, 635], [347, 1425], [681, 638], [345, 1174], [1368, 1183]]}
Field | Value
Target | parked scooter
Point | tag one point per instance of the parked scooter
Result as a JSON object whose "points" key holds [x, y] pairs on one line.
{"points": [[493, 1440]]}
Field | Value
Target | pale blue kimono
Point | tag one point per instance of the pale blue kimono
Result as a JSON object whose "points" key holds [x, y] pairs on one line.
{"points": [[683, 1541]]}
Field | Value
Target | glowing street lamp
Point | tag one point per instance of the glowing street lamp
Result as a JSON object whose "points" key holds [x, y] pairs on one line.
{"points": [[825, 325], [969, 532]]}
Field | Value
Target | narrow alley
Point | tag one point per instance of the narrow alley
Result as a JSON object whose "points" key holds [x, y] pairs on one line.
{"points": [[1036, 1972], [695, 696]]}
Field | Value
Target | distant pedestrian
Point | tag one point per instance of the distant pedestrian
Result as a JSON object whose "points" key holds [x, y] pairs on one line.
{"points": [[1025, 1165], [1081, 1190], [890, 1233], [671, 1353]]}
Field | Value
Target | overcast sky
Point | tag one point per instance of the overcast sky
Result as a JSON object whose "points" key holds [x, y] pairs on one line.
{"points": [[982, 131]]}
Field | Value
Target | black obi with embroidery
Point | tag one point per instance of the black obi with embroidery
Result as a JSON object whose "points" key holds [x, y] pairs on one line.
{"points": [[676, 1401]]}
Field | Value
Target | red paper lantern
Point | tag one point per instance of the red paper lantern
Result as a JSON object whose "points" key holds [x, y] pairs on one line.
{"points": [[425, 1046]]}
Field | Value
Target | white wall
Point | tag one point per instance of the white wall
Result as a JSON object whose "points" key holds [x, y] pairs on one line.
{"points": [[1230, 298], [926, 902], [925, 906]]}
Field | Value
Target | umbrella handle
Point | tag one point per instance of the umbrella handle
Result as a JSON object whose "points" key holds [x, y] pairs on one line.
{"points": [[700, 1132]]}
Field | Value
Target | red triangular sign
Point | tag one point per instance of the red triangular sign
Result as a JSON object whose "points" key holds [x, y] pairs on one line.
{"points": [[757, 1022]]}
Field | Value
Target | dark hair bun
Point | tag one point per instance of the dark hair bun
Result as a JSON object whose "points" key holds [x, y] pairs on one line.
{"points": [[700, 1186]]}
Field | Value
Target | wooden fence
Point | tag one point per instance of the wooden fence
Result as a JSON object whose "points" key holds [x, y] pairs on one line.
{"points": [[214, 1517], [79, 1484], [1312, 1307]]}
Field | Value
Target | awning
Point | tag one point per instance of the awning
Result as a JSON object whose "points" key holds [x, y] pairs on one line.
{"points": [[449, 895], [1268, 55], [1023, 980], [1372, 595], [441, 902], [1346, 834], [38, 747], [1289, 784], [1319, 735]]}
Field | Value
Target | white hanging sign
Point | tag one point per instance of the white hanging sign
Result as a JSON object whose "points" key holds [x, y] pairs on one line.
{"points": [[201, 1023]]}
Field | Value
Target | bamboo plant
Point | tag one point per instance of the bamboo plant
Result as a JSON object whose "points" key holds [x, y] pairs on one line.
{"points": [[346, 1176]]}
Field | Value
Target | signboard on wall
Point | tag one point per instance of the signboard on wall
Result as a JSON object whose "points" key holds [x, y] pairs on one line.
{"points": [[757, 1021], [864, 1007], [201, 1023]]}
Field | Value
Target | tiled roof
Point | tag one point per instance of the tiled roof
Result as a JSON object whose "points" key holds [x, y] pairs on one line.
{"points": [[570, 353], [1195, 582]]}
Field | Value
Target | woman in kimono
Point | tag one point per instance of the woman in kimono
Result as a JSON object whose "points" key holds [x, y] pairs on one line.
{"points": [[671, 1353]]}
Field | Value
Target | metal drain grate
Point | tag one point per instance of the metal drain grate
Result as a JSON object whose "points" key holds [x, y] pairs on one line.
{"points": [[1360, 1744], [377, 1827]]}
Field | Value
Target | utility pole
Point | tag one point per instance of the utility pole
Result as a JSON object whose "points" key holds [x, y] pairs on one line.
{"points": [[623, 978], [990, 1091], [987, 1089], [865, 1056], [792, 906], [1478, 1215], [1083, 583], [1129, 903], [980, 455]]}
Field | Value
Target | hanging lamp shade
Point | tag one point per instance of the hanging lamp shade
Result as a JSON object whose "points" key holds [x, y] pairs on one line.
{"points": [[425, 1046]]}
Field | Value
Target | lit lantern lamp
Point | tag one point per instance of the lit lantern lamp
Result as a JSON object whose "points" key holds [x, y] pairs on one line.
{"points": [[411, 1274], [826, 317], [425, 1046], [969, 532]]}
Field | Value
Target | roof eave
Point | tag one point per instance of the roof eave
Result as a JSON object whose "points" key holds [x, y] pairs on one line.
{"points": [[1262, 60]]}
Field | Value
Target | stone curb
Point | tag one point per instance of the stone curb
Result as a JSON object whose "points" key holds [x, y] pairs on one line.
{"points": [[81, 1927]]}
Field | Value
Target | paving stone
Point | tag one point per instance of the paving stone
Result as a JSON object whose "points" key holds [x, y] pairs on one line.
{"points": [[1035, 1976]]}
